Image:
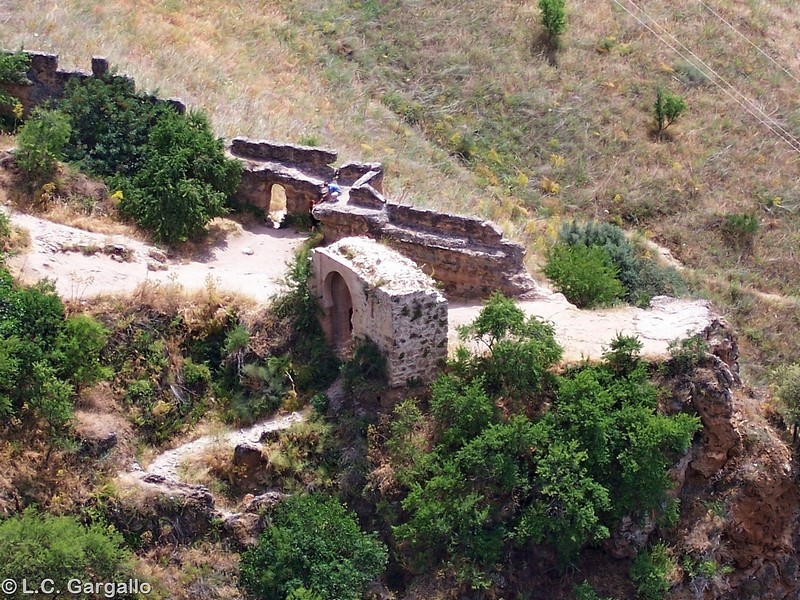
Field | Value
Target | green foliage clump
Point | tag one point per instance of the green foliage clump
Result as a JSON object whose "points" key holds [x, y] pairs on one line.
{"points": [[184, 181], [41, 142], [364, 370], [554, 16], [641, 277], [14, 70], [37, 547], [667, 108], [686, 354], [43, 357], [786, 382], [316, 366], [584, 591], [585, 275], [171, 169], [316, 544], [521, 349], [740, 230], [650, 573], [478, 480]]}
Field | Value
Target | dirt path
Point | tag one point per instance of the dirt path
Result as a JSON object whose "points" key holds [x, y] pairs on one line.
{"points": [[166, 464], [250, 260], [586, 334]]}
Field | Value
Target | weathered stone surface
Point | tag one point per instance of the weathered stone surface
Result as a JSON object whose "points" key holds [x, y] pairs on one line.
{"points": [[169, 511], [469, 256], [304, 158], [367, 289], [244, 528], [249, 464], [352, 173]]}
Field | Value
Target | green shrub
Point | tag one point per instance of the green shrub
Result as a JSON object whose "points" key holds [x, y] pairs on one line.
{"points": [[584, 591], [740, 229], [667, 108], [316, 365], [650, 572], [41, 142], [461, 410], [786, 385], [37, 547], [686, 354], [554, 17], [585, 275], [185, 179], [316, 544], [641, 277], [365, 369], [521, 349], [110, 125], [77, 351], [13, 69]]}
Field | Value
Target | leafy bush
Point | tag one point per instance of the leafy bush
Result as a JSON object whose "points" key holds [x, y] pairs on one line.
{"points": [[110, 125], [686, 354], [667, 108], [584, 591], [13, 69], [585, 275], [521, 349], [641, 277], [554, 17], [37, 547], [185, 179], [316, 365], [740, 229], [171, 169], [316, 544], [42, 356], [650, 572], [77, 351], [786, 382], [40, 143]]}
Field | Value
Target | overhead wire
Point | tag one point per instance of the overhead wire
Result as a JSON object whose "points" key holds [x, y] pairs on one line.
{"points": [[753, 109], [745, 38]]}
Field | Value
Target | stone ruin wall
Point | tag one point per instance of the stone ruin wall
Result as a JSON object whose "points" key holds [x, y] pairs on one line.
{"points": [[468, 255], [48, 82], [368, 290]]}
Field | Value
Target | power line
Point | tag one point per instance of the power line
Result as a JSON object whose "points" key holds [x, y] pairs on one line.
{"points": [[774, 122], [767, 121], [745, 38]]}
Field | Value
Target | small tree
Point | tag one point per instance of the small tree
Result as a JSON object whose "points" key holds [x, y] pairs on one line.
{"points": [[40, 143], [787, 391], [316, 544], [554, 17], [667, 109], [35, 547]]}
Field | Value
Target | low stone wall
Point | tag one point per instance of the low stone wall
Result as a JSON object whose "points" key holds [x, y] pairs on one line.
{"points": [[47, 81], [306, 159], [469, 256]]}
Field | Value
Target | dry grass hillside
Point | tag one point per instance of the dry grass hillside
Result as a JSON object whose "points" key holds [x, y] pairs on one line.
{"points": [[472, 112]]}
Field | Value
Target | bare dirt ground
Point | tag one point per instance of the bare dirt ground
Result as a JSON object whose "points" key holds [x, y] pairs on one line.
{"points": [[251, 260], [586, 334]]}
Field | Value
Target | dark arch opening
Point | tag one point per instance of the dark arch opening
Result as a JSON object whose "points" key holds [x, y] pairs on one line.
{"points": [[341, 311]]}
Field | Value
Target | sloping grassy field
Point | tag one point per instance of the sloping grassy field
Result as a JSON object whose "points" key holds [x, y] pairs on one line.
{"points": [[472, 112]]}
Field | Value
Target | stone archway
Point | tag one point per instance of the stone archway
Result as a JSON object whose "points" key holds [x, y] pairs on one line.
{"points": [[341, 310]]}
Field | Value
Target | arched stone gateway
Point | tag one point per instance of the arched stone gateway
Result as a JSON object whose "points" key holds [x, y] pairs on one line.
{"points": [[369, 290]]}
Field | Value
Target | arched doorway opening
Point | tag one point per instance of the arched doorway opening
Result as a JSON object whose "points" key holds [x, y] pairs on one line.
{"points": [[341, 311], [277, 202]]}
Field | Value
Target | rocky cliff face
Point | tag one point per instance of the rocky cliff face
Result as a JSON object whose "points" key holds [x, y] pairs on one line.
{"points": [[738, 490]]}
